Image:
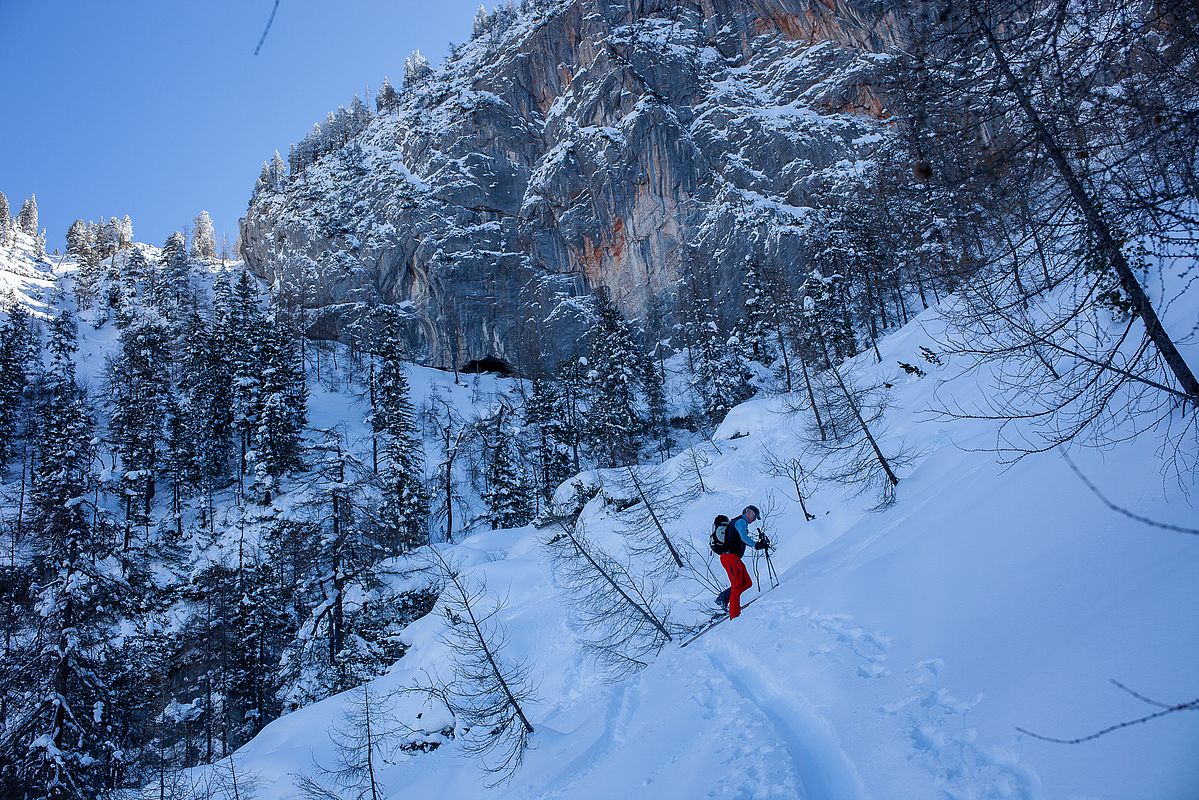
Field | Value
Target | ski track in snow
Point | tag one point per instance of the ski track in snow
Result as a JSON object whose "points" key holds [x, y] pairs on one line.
{"points": [[622, 706], [822, 766], [928, 718]]}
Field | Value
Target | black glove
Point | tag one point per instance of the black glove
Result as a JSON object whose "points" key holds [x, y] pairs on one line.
{"points": [[762, 544]]}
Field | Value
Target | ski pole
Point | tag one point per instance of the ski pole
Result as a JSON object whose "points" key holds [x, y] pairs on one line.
{"points": [[774, 576]]}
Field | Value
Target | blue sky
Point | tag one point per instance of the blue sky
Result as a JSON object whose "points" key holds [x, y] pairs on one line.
{"points": [[158, 108]]}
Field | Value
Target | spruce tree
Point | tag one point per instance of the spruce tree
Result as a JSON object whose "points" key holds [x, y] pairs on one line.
{"points": [[241, 329], [717, 359], [136, 266], [125, 233], [5, 219], [62, 749], [548, 413], [16, 351], [264, 179], [206, 391], [211, 591], [404, 506], [761, 319], [108, 237], [825, 314], [172, 281], [112, 292], [574, 391], [388, 99], [80, 241], [416, 68], [203, 238], [507, 494], [139, 385], [27, 220], [616, 371], [83, 247], [282, 407], [260, 623]]}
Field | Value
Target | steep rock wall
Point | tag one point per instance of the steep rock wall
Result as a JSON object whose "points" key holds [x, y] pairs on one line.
{"points": [[582, 146]]}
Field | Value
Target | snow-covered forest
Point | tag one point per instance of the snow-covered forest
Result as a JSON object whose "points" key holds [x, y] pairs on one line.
{"points": [[408, 490]]}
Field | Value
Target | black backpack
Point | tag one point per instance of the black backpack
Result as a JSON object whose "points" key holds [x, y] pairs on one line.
{"points": [[717, 540]]}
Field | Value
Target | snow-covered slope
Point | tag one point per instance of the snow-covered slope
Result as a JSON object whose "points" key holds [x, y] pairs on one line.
{"points": [[25, 273], [896, 658]]}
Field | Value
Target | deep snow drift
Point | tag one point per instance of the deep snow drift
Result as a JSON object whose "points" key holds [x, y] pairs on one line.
{"points": [[895, 660]]}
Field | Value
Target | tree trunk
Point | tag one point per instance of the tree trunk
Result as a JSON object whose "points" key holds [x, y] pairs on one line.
{"points": [[812, 399], [1108, 247], [654, 516], [882, 460], [653, 620], [778, 330]]}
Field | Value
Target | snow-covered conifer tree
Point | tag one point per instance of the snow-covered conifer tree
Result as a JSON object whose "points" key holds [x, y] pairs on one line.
{"points": [[416, 68], [139, 393], [206, 389], [80, 241], [171, 283], [260, 620], [616, 370], [760, 316], [136, 266], [27, 218], [82, 246], [360, 115], [507, 494], [125, 233], [404, 508], [278, 171], [715, 357], [108, 237], [61, 748], [241, 328], [5, 219], [481, 22], [283, 401], [547, 412], [16, 351], [388, 99], [113, 294], [826, 320], [575, 390], [203, 237]]}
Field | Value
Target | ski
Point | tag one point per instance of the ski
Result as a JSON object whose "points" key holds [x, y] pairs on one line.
{"points": [[721, 618]]}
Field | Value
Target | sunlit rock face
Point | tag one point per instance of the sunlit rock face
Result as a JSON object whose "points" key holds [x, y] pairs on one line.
{"points": [[575, 147]]}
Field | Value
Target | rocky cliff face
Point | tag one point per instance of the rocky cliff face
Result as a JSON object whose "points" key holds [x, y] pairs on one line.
{"points": [[584, 144]]}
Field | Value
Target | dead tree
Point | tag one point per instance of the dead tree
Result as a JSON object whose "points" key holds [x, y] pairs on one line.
{"points": [[452, 433], [697, 465], [1107, 244], [791, 468], [1077, 152], [656, 502], [621, 620], [854, 456], [486, 694], [228, 781], [363, 742]]}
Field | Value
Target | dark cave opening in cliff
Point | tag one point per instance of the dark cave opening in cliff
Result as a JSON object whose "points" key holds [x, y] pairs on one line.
{"points": [[495, 366]]}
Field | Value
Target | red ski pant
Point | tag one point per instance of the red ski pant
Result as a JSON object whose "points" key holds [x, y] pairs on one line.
{"points": [[738, 581]]}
